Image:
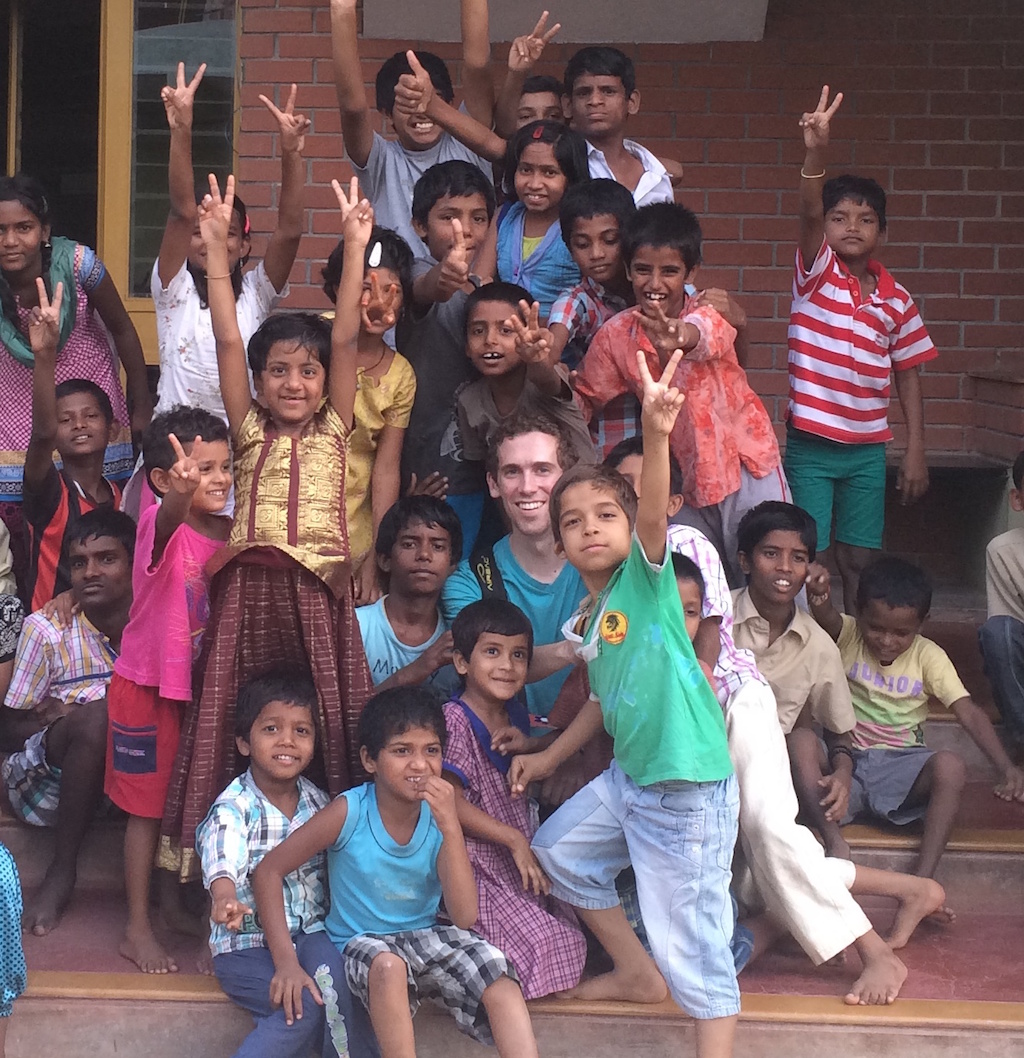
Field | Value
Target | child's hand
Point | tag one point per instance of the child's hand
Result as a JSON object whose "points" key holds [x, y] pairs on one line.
{"points": [[530, 871], [912, 479], [61, 608], [286, 991], [525, 51], [730, 310], [365, 583], [533, 342], [380, 307], [415, 90], [435, 485], [527, 769], [819, 583], [508, 740], [1012, 786], [440, 798], [455, 265], [178, 101], [356, 213], [661, 401], [184, 472], [665, 334], [44, 323], [837, 796], [293, 126], [215, 212], [229, 913], [437, 654], [816, 123]]}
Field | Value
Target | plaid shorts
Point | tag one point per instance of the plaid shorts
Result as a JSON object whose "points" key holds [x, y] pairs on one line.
{"points": [[448, 965], [33, 785]]}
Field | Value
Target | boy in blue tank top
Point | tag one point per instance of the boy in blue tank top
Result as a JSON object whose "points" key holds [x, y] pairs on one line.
{"points": [[394, 849]]}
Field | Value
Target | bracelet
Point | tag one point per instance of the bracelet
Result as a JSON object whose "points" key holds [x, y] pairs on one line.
{"points": [[840, 751], [812, 176], [817, 600], [227, 275]]}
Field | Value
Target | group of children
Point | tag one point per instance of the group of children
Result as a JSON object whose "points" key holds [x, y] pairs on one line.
{"points": [[308, 484]]}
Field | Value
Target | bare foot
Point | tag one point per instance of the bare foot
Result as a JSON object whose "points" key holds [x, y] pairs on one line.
{"points": [[43, 912], [629, 988], [924, 898], [147, 953], [204, 961], [880, 982]]}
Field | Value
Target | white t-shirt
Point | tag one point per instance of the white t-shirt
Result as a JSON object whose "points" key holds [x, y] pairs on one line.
{"points": [[653, 186], [188, 352]]}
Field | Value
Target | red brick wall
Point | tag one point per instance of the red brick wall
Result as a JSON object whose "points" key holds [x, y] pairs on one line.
{"points": [[934, 110]]}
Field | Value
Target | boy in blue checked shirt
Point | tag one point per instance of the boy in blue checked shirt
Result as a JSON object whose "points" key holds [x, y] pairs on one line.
{"points": [[275, 729]]}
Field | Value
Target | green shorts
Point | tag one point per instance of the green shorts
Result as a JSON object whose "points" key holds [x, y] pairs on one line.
{"points": [[849, 480]]}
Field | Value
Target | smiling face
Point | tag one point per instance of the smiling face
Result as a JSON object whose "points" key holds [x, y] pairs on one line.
{"points": [[777, 568], [420, 561], [852, 230], [490, 339], [291, 386], [595, 245], [469, 210], [415, 132], [599, 107], [101, 574], [528, 469], [888, 631], [659, 277], [595, 532], [281, 742], [22, 235], [405, 763], [496, 670], [82, 428], [539, 180], [215, 477], [538, 106]]}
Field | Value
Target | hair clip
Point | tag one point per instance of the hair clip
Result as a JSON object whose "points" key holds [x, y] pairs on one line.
{"points": [[245, 225], [376, 253]]}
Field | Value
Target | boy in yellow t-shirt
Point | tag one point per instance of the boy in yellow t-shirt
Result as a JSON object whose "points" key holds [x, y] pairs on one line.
{"points": [[893, 671]]}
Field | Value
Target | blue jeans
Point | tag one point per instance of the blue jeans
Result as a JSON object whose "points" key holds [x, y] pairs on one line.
{"points": [[679, 837], [245, 977], [1002, 646]]}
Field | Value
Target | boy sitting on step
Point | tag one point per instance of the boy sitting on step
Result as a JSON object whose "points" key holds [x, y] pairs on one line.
{"points": [[893, 671]]}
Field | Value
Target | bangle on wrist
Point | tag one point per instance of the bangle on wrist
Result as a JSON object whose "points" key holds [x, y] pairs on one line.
{"points": [[812, 176], [840, 751], [226, 275]]}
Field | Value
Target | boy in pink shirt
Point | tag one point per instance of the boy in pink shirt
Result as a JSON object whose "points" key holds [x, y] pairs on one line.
{"points": [[723, 438], [152, 678]]}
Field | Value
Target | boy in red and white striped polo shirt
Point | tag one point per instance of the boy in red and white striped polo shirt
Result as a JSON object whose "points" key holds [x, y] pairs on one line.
{"points": [[851, 325]]}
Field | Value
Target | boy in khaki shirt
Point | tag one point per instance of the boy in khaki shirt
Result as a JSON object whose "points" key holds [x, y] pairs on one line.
{"points": [[799, 660]]}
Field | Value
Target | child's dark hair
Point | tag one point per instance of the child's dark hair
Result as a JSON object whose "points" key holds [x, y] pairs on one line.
{"points": [[598, 476], [455, 179], [569, 147], [1017, 473], [600, 61], [102, 521], [187, 423], [539, 83], [860, 189], [419, 510], [685, 568], [393, 712], [304, 330], [395, 255], [634, 446], [594, 198], [521, 423], [199, 275], [398, 64], [497, 616], [775, 516], [896, 583], [292, 684], [29, 192], [499, 293], [663, 224], [69, 387]]}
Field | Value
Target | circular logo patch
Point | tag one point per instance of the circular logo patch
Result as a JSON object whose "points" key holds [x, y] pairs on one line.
{"points": [[614, 627]]}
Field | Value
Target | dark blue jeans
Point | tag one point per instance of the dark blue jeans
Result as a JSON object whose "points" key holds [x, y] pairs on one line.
{"points": [[245, 977], [1002, 646]]}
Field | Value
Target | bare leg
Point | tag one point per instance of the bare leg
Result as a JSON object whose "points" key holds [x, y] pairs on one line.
{"points": [[882, 977], [807, 763], [715, 1036], [389, 1007], [766, 932], [76, 744], [140, 945], [510, 1020], [175, 915], [634, 978], [939, 785], [851, 560], [918, 898]]}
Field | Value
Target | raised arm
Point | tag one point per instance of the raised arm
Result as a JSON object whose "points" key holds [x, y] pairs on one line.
{"points": [[356, 125], [477, 86], [912, 479], [534, 344], [815, 127], [659, 410], [182, 481], [43, 335], [214, 221], [819, 599], [284, 242], [450, 274], [181, 220], [522, 56]]}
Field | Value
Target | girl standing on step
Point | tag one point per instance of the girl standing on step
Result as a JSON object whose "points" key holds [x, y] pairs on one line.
{"points": [[12, 958]]}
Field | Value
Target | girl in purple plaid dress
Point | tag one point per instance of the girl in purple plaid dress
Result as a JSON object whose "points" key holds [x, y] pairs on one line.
{"points": [[493, 643]]}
